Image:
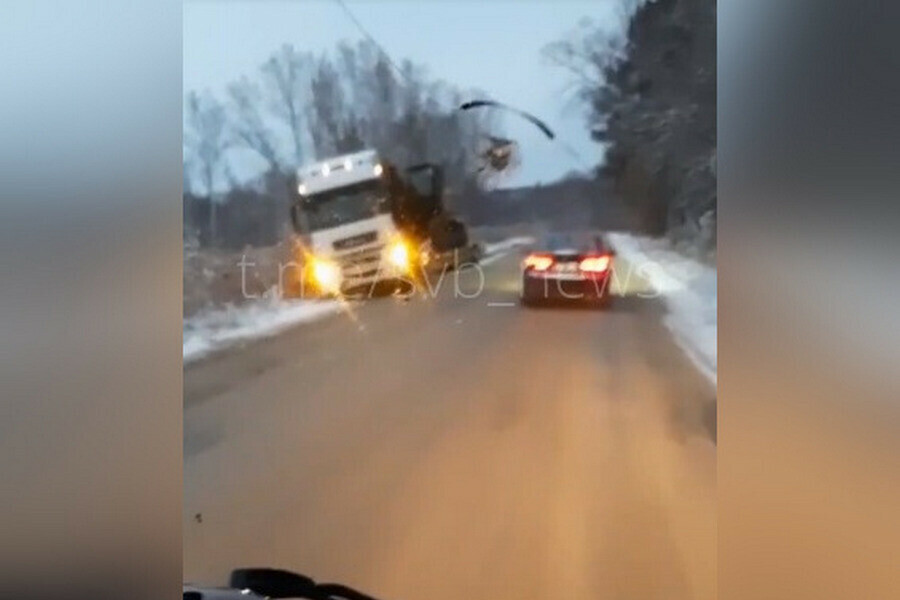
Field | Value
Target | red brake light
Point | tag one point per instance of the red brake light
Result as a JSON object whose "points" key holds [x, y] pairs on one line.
{"points": [[538, 262], [594, 264]]}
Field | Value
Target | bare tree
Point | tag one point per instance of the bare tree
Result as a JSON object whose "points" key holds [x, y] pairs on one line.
{"points": [[287, 74], [187, 179], [339, 102], [247, 126], [205, 140], [327, 112], [380, 95]]}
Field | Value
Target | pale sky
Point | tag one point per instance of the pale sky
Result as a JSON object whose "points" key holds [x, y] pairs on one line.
{"points": [[492, 46]]}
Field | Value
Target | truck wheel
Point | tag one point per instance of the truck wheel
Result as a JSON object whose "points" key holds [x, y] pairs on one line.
{"points": [[404, 289]]}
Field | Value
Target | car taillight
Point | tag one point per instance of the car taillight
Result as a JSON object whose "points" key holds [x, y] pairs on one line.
{"points": [[538, 262], [594, 264]]}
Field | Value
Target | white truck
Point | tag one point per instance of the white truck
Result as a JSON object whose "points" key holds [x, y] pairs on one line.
{"points": [[348, 239], [362, 222]]}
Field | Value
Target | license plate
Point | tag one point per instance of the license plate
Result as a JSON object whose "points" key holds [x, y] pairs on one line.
{"points": [[566, 267]]}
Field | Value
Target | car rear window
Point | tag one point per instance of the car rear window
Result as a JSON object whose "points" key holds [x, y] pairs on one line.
{"points": [[578, 242]]}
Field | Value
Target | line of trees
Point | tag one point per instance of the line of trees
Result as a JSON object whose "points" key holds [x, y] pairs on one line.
{"points": [[652, 100], [298, 107]]}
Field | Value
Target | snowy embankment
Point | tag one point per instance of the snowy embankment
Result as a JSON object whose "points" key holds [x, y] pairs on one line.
{"points": [[214, 329], [690, 291], [496, 251], [507, 245]]}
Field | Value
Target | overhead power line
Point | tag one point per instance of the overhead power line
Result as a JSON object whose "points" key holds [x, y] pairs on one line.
{"points": [[567, 147], [370, 37]]}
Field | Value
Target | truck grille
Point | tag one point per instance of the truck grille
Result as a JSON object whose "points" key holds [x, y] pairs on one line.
{"points": [[361, 263], [356, 240]]}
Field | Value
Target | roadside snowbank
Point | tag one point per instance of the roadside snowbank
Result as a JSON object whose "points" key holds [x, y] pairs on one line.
{"points": [[690, 289], [496, 251], [208, 331], [507, 245], [211, 330]]}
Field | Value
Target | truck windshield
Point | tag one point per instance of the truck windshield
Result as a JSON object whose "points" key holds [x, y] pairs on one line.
{"points": [[345, 205]]}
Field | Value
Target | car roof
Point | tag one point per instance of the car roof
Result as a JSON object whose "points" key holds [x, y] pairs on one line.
{"points": [[572, 241]]}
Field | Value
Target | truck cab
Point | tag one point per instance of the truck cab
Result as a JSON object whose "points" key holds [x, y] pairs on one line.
{"points": [[343, 215]]}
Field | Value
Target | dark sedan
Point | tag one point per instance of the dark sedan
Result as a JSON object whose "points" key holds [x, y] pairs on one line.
{"points": [[568, 267]]}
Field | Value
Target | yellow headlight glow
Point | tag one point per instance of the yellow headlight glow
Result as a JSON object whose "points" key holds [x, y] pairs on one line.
{"points": [[398, 255], [327, 275]]}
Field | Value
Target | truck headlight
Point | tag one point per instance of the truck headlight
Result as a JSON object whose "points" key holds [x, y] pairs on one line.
{"points": [[327, 274], [398, 255]]}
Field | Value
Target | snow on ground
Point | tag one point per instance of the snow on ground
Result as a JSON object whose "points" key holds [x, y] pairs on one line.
{"points": [[507, 245], [496, 251], [211, 330], [690, 291]]}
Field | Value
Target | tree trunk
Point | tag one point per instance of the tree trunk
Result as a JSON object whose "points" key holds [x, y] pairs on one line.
{"points": [[212, 221]]}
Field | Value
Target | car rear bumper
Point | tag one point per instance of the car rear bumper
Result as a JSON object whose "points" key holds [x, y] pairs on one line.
{"points": [[550, 287]]}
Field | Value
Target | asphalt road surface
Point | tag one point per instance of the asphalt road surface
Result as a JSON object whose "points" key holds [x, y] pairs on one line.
{"points": [[450, 448]]}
